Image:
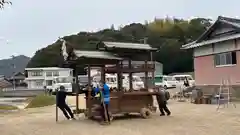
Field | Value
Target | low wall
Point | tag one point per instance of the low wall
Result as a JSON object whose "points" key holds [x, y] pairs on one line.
{"points": [[214, 89], [21, 93]]}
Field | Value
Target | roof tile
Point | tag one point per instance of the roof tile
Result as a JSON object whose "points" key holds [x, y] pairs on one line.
{"points": [[129, 45], [96, 54]]}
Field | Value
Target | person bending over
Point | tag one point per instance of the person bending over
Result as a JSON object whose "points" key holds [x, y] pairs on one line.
{"points": [[62, 105], [162, 102]]}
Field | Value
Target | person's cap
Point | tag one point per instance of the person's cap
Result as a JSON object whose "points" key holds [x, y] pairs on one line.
{"points": [[62, 87]]}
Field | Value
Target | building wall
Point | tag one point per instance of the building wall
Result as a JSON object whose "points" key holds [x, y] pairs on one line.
{"points": [[205, 71], [207, 74], [220, 47], [36, 82], [158, 69]]}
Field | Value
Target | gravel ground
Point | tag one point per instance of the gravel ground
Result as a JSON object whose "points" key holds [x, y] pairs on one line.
{"points": [[186, 119]]}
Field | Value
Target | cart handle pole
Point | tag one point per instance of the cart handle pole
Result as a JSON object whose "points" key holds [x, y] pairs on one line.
{"points": [[56, 106]]}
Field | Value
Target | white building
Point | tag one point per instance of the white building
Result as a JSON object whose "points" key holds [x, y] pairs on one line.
{"points": [[40, 77]]}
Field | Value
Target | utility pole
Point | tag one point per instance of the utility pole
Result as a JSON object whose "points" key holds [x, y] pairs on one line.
{"points": [[13, 77]]}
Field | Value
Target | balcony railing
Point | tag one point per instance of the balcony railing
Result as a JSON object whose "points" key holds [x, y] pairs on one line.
{"points": [[132, 68]]}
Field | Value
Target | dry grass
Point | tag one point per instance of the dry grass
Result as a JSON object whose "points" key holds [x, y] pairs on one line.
{"points": [[7, 107], [41, 101], [186, 119]]}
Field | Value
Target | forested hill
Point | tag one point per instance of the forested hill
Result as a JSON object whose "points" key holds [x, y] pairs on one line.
{"points": [[167, 34]]}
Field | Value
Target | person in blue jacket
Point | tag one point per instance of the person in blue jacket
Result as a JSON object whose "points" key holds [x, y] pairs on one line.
{"points": [[96, 91], [106, 101]]}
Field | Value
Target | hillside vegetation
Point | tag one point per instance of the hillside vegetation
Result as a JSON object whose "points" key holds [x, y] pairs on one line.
{"points": [[166, 34]]}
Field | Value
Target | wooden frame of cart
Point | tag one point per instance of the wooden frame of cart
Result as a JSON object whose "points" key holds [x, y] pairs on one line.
{"points": [[114, 53]]}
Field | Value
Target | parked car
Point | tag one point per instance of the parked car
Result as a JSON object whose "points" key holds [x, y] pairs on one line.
{"points": [[181, 78], [166, 81]]}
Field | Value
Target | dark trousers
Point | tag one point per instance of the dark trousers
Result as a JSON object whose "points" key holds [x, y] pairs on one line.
{"points": [[103, 113], [66, 110], [163, 107]]}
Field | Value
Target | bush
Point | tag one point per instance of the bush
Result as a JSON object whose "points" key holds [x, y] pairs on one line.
{"points": [[41, 101], [8, 107]]}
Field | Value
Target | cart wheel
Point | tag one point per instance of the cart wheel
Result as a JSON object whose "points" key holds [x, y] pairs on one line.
{"points": [[145, 113]]}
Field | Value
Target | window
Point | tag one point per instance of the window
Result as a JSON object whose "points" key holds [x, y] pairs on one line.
{"points": [[83, 79], [111, 80], [178, 78], [49, 82], [169, 78], [136, 79], [36, 73], [48, 73], [55, 73], [39, 83], [228, 58], [63, 80], [189, 78], [158, 79]]}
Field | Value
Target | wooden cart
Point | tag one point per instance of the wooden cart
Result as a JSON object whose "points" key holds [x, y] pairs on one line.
{"points": [[111, 53]]}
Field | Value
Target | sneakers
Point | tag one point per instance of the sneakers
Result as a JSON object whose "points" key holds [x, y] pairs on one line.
{"points": [[164, 114], [72, 119], [104, 123]]}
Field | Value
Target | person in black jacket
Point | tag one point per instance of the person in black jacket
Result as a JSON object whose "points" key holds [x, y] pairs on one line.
{"points": [[162, 98], [61, 103]]}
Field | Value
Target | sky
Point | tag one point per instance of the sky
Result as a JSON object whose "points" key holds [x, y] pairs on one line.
{"points": [[29, 25]]}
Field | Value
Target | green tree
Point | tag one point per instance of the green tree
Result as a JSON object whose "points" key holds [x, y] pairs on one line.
{"points": [[3, 3], [167, 34]]}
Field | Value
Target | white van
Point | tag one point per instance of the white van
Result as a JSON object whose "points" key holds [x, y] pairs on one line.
{"points": [[137, 82], [111, 80], [166, 81], [181, 78], [62, 81]]}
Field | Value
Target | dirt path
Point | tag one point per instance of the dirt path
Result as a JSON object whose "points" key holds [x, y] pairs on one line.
{"points": [[187, 119]]}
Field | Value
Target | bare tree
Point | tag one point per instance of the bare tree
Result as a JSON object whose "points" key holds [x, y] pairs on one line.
{"points": [[4, 2]]}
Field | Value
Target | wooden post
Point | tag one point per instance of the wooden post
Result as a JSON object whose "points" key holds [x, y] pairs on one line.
{"points": [[89, 92], [119, 77], [77, 92], [56, 106], [146, 74], [130, 75], [103, 77], [153, 74]]}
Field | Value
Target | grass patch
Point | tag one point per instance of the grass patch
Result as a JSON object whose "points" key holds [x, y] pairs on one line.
{"points": [[8, 107], [41, 101]]}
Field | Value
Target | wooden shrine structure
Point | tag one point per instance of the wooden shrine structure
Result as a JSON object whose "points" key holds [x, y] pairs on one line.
{"points": [[113, 53]]}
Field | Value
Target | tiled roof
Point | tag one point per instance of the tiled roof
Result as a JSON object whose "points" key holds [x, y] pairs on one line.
{"points": [[225, 20], [128, 45], [47, 68], [215, 40], [96, 54]]}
